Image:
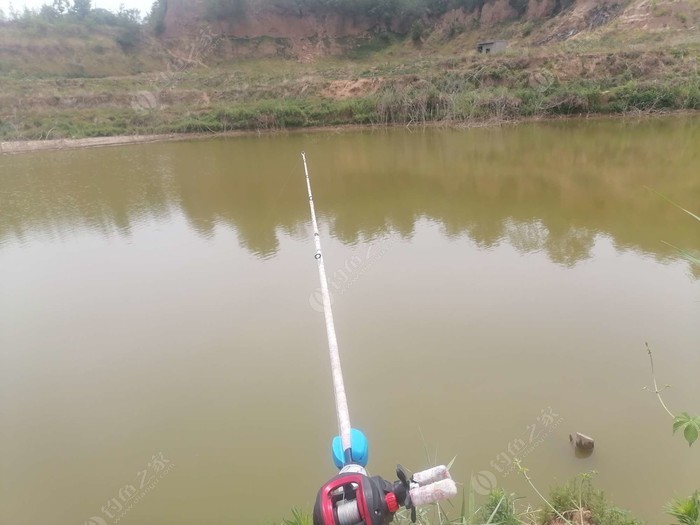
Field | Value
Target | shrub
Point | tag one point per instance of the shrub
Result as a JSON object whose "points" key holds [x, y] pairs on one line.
{"points": [[520, 6], [129, 39], [225, 9], [417, 31], [578, 496], [686, 510], [103, 17]]}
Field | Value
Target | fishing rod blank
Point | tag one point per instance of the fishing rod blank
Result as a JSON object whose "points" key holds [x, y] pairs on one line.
{"points": [[352, 497], [341, 401]]}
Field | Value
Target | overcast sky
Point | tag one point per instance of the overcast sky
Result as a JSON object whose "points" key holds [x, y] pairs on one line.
{"points": [[113, 5]]}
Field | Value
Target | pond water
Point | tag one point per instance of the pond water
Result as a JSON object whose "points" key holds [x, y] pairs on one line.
{"points": [[493, 291]]}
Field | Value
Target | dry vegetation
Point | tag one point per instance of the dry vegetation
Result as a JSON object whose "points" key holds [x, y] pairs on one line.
{"points": [[75, 80]]}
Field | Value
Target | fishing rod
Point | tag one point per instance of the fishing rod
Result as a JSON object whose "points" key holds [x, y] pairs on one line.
{"points": [[353, 497]]}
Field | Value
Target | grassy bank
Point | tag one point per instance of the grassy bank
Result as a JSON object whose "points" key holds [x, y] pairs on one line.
{"points": [[577, 502], [394, 106], [270, 94]]}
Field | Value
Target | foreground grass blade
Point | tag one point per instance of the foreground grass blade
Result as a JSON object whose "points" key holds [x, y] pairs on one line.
{"points": [[675, 204], [692, 258]]}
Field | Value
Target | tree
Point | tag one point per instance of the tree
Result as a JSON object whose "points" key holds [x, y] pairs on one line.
{"points": [[81, 8], [61, 6], [49, 12], [103, 17], [129, 16], [13, 14], [156, 18]]}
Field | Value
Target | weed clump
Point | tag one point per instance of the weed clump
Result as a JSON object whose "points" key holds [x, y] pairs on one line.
{"points": [[581, 503]]}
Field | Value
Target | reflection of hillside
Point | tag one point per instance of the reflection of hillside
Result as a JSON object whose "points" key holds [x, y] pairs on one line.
{"points": [[549, 187], [103, 191], [241, 183]]}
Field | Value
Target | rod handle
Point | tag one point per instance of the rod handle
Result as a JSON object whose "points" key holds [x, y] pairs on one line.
{"points": [[434, 492]]}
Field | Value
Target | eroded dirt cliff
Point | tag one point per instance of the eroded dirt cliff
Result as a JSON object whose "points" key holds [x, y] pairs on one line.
{"points": [[277, 31]]}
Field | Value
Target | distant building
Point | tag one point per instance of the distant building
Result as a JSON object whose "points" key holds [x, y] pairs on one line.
{"points": [[491, 46]]}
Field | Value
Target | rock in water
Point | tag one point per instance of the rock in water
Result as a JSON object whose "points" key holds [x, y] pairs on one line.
{"points": [[582, 441]]}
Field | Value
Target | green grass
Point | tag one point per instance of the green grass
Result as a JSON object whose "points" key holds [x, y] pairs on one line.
{"points": [[499, 509], [579, 495], [423, 102], [686, 511], [298, 518]]}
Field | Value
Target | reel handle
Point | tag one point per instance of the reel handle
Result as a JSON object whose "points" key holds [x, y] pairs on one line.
{"points": [[431, 475]]}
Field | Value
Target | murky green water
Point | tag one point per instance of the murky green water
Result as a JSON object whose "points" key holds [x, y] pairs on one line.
{"points": [[493, 292]]}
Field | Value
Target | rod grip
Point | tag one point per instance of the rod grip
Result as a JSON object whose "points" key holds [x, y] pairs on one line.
{"points": [[437, 491]]}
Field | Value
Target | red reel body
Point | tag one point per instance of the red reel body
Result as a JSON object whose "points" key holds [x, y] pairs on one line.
{"points": [[353, 498]]}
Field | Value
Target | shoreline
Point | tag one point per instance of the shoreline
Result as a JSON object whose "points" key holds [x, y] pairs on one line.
{"points": [[16, 147], [31, 146]]}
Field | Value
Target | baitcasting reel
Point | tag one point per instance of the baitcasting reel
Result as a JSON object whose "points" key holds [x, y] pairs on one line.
{"points": [[354, 498]]}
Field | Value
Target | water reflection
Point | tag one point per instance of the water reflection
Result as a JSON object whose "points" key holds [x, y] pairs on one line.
{"points": [[550, 187]]}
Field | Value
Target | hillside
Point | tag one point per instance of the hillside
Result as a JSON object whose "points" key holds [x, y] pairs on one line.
{"points": [[290, 29], [105, 44], [221, 65]]}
